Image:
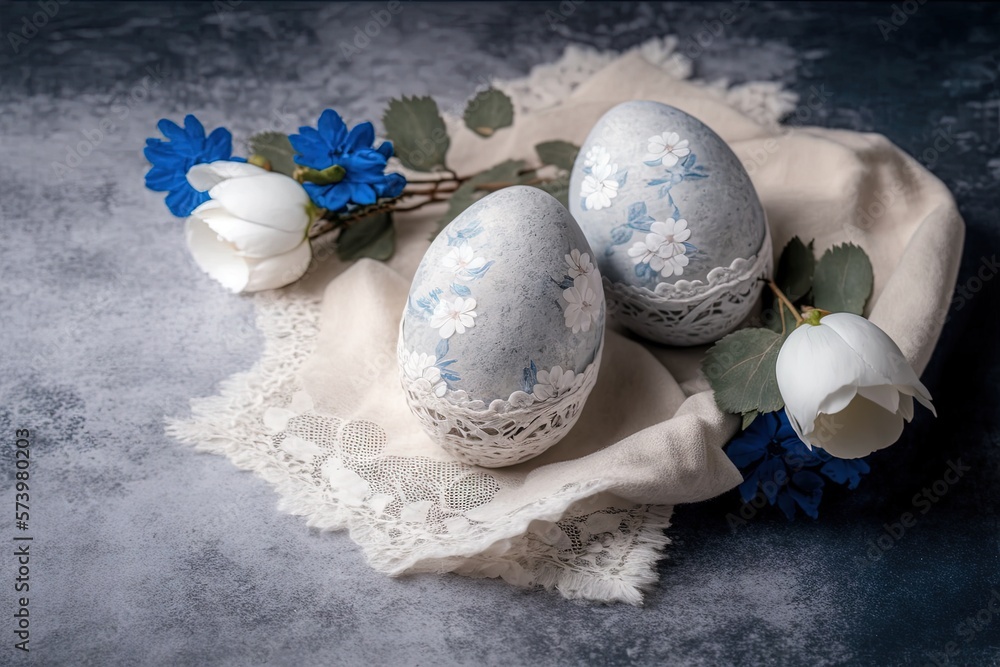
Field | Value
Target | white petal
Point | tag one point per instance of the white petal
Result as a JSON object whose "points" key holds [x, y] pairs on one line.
{"points": [[885, 396], [269, 199], [813, 363], [920, 393], [215, 256], [250, 239], [203, 177], [906, 406], [447, 329], [874, 346], [885, 361], [279, 270], [638, 249], [858, 430]]}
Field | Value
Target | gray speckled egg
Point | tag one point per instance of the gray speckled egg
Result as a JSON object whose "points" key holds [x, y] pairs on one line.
{"points": [[502, 332], [679, 233]]}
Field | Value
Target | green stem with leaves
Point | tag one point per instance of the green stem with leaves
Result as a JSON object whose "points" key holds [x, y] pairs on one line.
{"points": [[784, 301]]}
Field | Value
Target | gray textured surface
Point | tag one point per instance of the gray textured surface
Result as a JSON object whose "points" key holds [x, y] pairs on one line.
{"points": [[147, 553]]}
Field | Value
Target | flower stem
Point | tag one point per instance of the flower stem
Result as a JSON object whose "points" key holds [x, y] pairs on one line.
{"points": [[493, 187], [439, 190], [784, 300], [451, 177]]}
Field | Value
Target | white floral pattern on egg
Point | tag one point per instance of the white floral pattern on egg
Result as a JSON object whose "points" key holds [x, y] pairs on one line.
{"points": [[504, 321], [677, 229]]}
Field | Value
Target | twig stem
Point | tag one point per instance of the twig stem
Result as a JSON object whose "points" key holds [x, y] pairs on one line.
{"points": [[784, 300]]}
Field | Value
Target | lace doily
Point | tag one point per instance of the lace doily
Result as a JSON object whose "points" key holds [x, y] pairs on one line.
{"points": [[415, 514], [412, 514], [693, 312], [503, 433]]}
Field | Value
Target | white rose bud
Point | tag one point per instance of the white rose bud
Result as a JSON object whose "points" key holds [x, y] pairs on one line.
{"points": [[847, 386], [251, 234]]}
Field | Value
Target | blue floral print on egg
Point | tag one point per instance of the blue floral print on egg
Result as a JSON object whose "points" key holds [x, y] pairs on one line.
{"points": [[678, 231], [502, 333]]}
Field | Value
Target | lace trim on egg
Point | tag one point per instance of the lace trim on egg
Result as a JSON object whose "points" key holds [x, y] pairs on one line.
{"points": [[505, 432], [693, 312]]}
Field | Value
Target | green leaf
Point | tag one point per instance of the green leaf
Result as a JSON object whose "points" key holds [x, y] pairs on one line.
{"points": [[489, 111], [561, 154], [775, 313], [740, 368], [558, 188], [417, 131], [275, 147], [843, 280], [794, 276], [328, 176], [466, 195], [374, 237], [748, 418]]}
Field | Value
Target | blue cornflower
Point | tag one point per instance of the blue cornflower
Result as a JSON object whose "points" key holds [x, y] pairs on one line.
{"points": [[775, 461], [184, 148], [364, 181]]}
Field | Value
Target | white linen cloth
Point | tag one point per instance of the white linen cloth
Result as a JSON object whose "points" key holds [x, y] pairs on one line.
{"points": [[322, 415]]}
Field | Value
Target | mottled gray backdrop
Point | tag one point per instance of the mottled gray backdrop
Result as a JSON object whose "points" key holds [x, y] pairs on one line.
{"points": [[147, 553]]}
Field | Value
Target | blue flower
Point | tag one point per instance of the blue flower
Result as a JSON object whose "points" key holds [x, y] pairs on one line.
{"points": [[365, 180], [184, 148], [843, 471], [774, 461]]}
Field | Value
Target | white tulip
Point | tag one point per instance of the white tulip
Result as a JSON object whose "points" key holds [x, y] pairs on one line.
{"points": [[251, 234], [847, 386]]}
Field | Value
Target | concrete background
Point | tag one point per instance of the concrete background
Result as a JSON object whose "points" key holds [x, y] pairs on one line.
{"points": [[147, 553]]}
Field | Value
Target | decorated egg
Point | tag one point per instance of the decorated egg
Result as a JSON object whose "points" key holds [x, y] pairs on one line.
{"points": [[501, 338], [678, 232]]}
